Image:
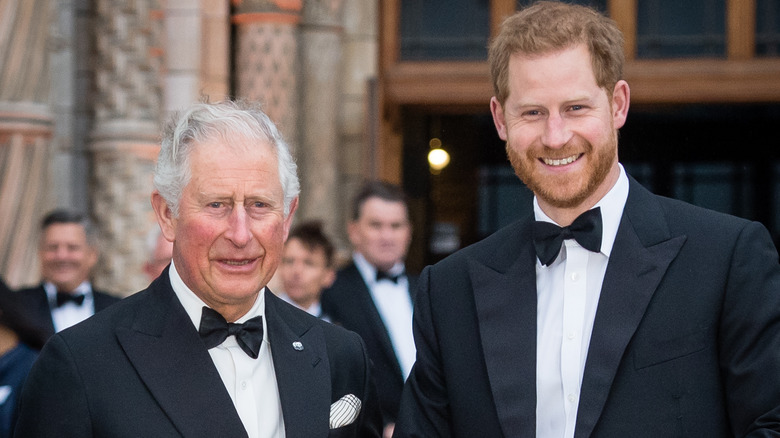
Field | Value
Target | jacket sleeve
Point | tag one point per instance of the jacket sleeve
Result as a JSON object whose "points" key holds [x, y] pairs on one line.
{"points": [[750, 335], [424, 403], [370, 415], [53, 401]]}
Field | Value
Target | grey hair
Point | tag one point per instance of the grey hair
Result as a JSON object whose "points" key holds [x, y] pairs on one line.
{"points": [[68, 216], [206, 121]]}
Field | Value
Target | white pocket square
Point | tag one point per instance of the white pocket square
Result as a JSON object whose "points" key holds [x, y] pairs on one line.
{"points": [[344, 411]]}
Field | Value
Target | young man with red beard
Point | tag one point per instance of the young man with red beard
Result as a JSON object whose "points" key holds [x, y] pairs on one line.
{"points": [[611, 312]]}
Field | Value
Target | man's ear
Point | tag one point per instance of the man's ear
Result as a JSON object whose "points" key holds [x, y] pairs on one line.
{"points": [[621, 99], [164, 216], [329, 278], [352, 232], [289, 219], [498, 117], [93, 255]]}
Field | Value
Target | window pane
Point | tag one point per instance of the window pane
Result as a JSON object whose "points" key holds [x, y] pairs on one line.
{"points": [[675, 29], [444, 30], [767, 28]]}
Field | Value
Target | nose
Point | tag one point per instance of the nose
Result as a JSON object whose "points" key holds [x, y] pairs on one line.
{"points": [[387, 233], [61, 252], [238, 227], [556, 133]]}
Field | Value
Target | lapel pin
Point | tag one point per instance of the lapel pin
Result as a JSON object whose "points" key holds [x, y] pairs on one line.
{"points": [[298, 346]]}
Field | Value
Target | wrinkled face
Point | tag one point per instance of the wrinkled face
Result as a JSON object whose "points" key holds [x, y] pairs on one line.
{"points": [[231, 228], [66, 257], [382, 233], [560, 127], [304, 272]]}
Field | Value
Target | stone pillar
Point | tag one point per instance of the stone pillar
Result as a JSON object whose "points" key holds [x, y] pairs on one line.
{"points": [[266, 58], [359, 108], [215, 49], [321, 62], [25, 134], [26, 129], [125, 138]]}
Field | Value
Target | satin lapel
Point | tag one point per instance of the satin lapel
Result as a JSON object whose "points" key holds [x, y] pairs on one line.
{"points": [[302, 375], [374, 320], [173, 363], [640, 257], [43, 311], [505, 298]]}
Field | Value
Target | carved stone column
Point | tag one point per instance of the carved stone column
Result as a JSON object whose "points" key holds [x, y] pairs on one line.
{"points": [[125, 139], [266, 58], [26, 130], [359, 107], [322, 61]]}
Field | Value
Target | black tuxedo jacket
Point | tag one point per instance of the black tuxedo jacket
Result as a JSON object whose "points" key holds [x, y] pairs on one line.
{"points": [[685, 342], [34, 303], [140, 369], [348, 303]]}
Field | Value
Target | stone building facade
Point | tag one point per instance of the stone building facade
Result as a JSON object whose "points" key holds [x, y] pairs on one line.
{"points": [[85, 85]]}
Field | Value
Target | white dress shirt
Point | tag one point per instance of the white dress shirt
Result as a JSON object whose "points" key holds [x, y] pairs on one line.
{"points": [[568, 295], [251, 383], [70, 313], [394, 304]]}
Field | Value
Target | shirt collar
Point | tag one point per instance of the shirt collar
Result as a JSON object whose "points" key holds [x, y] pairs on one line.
{"points": [[368, 271], [193, 305], [85, 288], [315, 309], [612, 205]]}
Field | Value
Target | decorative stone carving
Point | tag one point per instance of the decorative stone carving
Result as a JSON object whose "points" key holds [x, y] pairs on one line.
{"points": [[124, 146]]}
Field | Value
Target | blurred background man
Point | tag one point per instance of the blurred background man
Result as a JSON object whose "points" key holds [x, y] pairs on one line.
{"points": [[68, 251], [373, 294], [160, 252], [307, 267]]}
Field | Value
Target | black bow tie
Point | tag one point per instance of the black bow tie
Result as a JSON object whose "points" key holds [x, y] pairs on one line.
{"points": [[214, 330], [586, 230], [384, 275], [66, 297]]}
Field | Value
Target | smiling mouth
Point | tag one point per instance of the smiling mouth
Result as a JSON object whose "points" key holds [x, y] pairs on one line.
{"points": [[561, 161], [237, 262]]}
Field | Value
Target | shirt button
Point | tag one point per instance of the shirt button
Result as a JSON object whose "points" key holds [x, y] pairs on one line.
{"points": [[575, 276], [243, 384], [571, 335], [572, 398]]}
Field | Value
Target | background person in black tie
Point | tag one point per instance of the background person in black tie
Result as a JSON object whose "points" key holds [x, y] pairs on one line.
{"points": [[16, 357], [67, 250], [307, 267], [372, 295], [669, 328], [207, 350]]}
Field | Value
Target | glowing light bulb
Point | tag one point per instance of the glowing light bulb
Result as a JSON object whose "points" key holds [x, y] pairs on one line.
{"points": [[438, 159]]}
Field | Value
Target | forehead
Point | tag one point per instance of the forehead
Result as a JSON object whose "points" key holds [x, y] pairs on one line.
{"points": [[65, 232], [229, 163], [378, 209], [554, 70], [295, 245]]}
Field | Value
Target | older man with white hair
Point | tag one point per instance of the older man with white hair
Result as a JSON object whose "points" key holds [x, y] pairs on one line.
{"points": [[207, 350]]}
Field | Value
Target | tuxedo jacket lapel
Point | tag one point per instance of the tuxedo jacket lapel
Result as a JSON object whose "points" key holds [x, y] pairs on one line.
{"points": [[368, 308], [505, 299], [303, 373], [165, 349], [642, 252], [43, 311]]}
